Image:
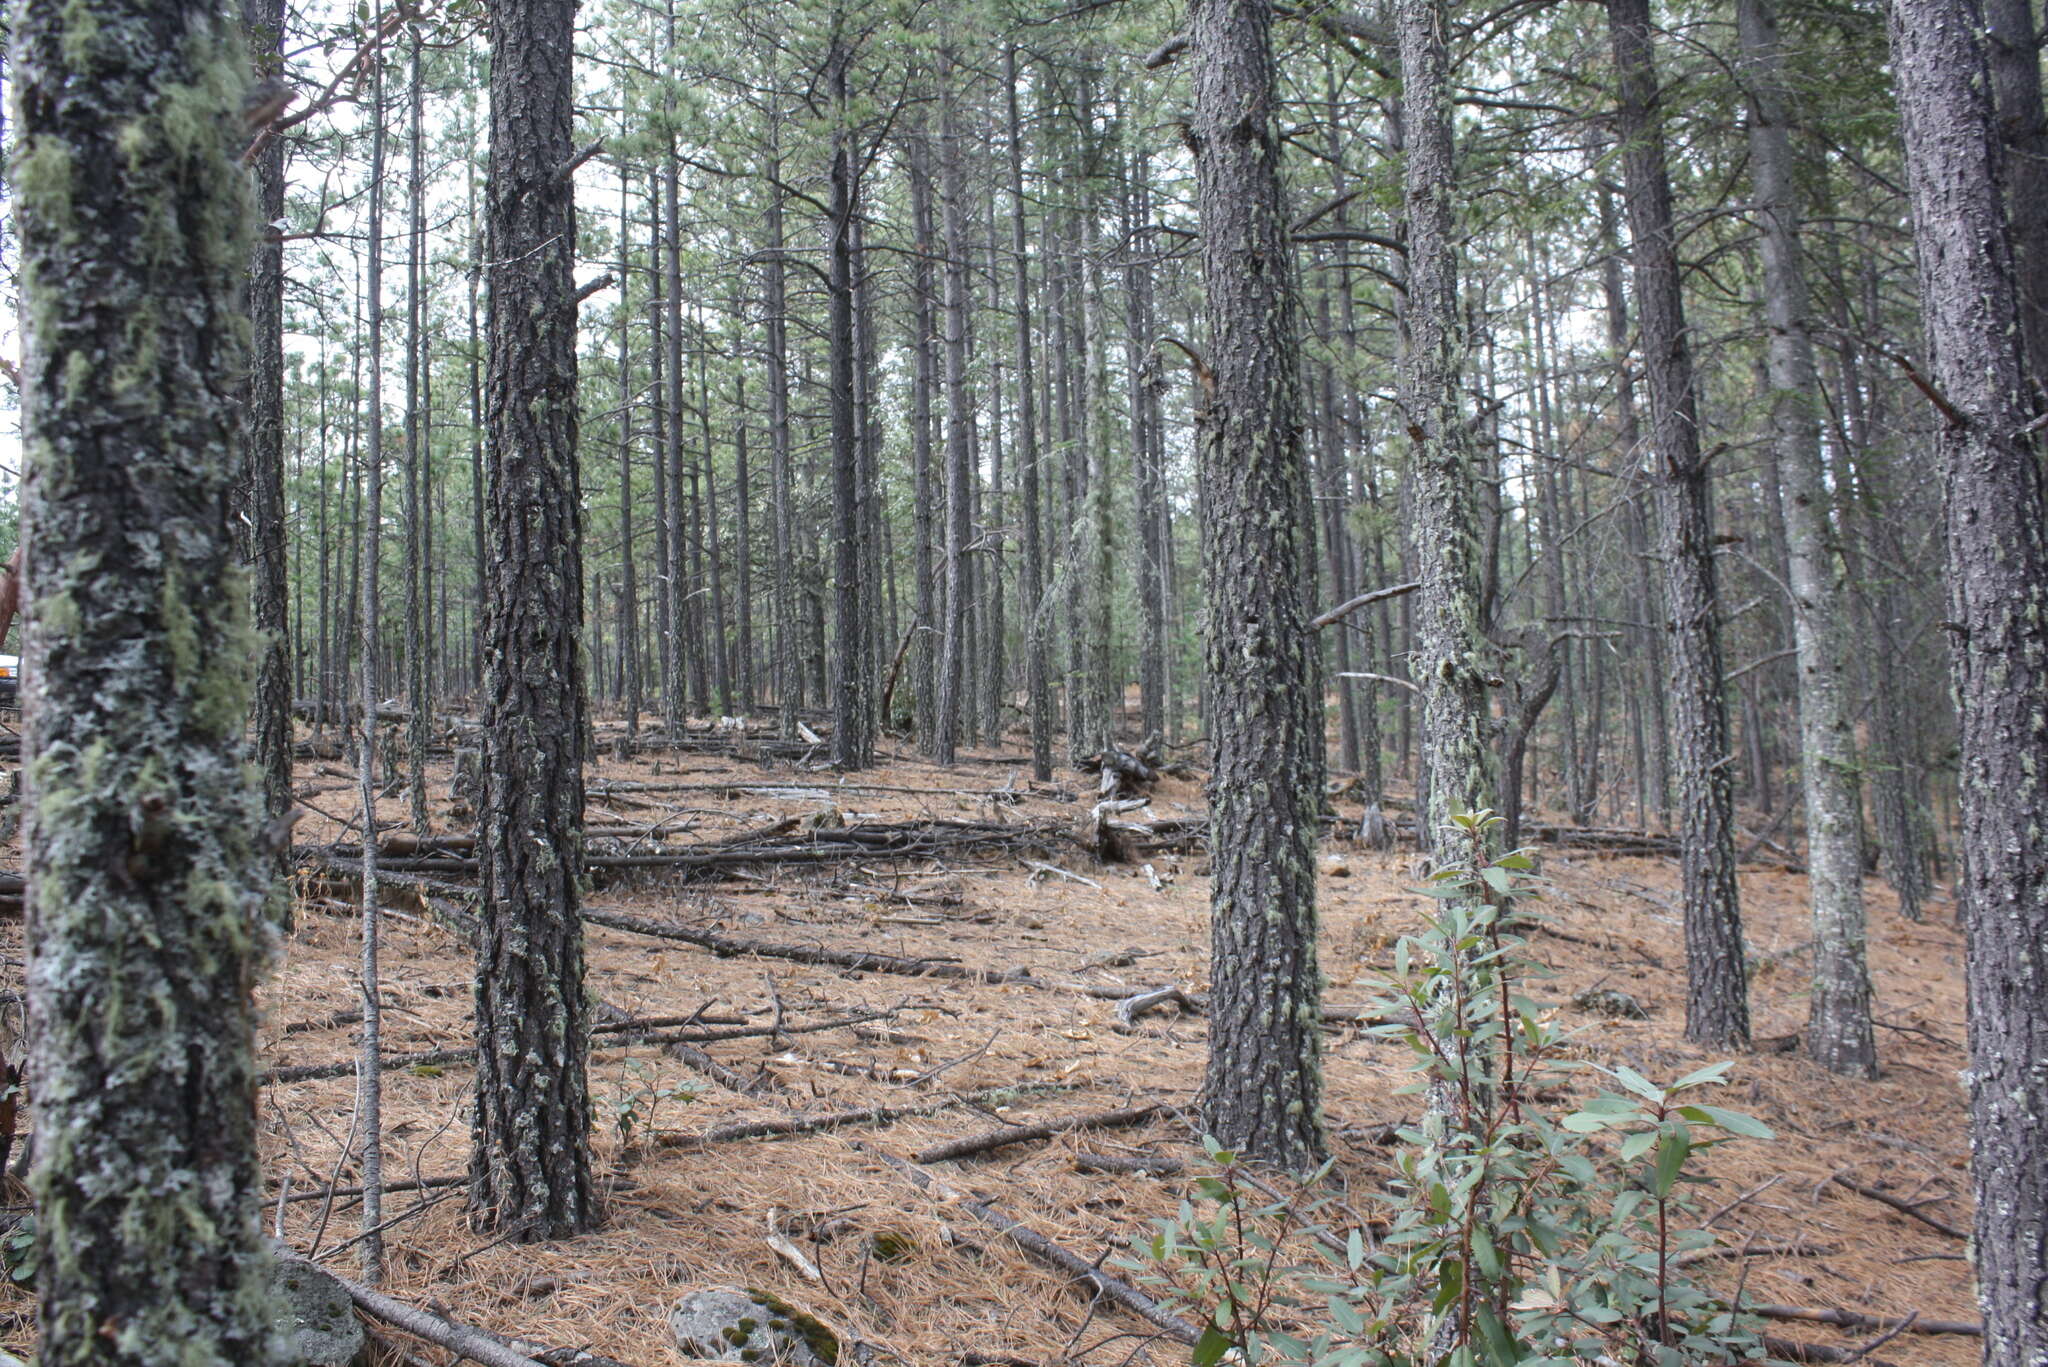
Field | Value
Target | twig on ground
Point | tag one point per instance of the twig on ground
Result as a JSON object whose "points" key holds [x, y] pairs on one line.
{"points": [[1940, 1226], [991, 1140]]}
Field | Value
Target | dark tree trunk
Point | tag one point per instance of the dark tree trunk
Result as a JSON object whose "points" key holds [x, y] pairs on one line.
{"points": [[263, 456], [416, 677], [1996, 515], [959, 423], [788, 668], [629, 586], [657, 308], [145, 883], [853, 712], [2014, 50], [924, 515], [1717, 998], [530, 1163], [1262, 1093]]}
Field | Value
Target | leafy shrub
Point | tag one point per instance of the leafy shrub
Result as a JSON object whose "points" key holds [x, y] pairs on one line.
{"points": [[1512, 1237]]}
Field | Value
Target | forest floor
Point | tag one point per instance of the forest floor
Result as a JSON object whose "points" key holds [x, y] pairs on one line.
{"points": [[915, 1275]]}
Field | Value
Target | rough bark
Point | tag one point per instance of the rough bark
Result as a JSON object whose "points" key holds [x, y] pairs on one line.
{"points": [[145, 888], [530, 1157], [1262, 1091], [1717, 996], [1996, 516]]}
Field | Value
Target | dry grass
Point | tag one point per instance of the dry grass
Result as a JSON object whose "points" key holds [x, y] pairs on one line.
{"points": [[680, 1215]]}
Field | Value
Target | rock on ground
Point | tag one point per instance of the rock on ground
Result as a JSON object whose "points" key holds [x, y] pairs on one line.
{"points": [[731, 1324], [315, 1318]]}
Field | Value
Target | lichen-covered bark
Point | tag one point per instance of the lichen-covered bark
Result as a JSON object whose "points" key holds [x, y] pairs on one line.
{"points": [[1996, 516], [1717, 994], [530, 1162], [1262, 1092], [145, 892], [263, 454], [1839, 1034], [1447, 664]]}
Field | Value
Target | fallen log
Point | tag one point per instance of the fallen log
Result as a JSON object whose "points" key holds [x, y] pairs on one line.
{"points": [[1158, 1165], [991, 1140], [785, 1127], [1940, 1226], [1854, 1319], [611, 1035], [865, 961], [1792, 1350], [438, 1330]]}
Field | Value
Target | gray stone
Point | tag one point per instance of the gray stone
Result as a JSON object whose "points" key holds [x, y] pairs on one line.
{"points": [[733, 1324], [315, 1318], [1610, 1001]]}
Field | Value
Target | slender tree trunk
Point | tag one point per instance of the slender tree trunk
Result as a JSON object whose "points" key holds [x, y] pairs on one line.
{"points": [[629, 585], [853, 720], [1717, 999], [720, 642], [369, 1077], [657, 405], [1262, 1091], [2014, 42], [263, 459], [417, 701], [924, 625], [1148, 478], [1839, 1034], [1037, 700], [743, 509], [1996, 516], [959, 419], [530, 1159], [788, 669], [145, 883]]}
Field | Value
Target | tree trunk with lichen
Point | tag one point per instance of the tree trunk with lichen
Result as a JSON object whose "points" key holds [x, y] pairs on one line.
{"points": [[1839, 1033], [530, 1161], [1447, 663], [145, 887], [1717, 993], [1262, 1093], [1996, 514]]}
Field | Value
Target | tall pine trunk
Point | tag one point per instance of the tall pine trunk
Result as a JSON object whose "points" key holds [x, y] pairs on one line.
{"points": [[530, 1157], [1717, 995], [1839, 1033], [1996, 515], [1444, 522], [1262, 1092]]}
